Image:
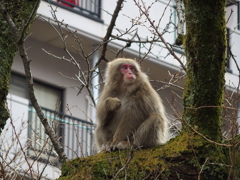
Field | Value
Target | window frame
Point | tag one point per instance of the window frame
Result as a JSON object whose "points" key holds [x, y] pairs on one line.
{"points": [[48, 85], [79, 10]]}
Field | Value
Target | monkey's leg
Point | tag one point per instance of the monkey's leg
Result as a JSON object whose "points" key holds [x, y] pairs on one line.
{"points": [[150, 133], [102, 139], [123, 137]]}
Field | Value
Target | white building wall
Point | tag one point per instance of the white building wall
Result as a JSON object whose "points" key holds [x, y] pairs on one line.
{"points": [[232, 78], [74, 20]]}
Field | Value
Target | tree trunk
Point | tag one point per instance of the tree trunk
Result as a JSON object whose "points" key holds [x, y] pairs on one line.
{"points": [[205, 47], [20, 12]]}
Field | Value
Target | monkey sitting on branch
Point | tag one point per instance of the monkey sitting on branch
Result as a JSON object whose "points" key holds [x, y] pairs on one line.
{"points": [[129, 111]]}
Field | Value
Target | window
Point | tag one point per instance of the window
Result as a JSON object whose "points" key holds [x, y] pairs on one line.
{"points": [[90, 9], [48, 96], [18, 86], [69, 3]]}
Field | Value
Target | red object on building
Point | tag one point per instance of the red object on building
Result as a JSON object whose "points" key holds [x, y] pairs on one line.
{"points": [[70, 1]]}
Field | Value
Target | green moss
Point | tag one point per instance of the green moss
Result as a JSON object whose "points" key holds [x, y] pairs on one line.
{"points": [[19, 12], [205, 46], [177, 158], [179, 40]]}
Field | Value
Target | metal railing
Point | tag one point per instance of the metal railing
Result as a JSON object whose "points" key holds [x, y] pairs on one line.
{"points": [[76, 136], [87, 8]]}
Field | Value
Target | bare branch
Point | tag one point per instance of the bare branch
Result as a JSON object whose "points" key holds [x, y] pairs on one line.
{"points": [[109, 31], [145, 12], [48, 129], [135, 41], [17, 137], [29, 20]]}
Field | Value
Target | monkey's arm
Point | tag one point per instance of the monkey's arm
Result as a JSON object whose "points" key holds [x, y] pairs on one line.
{"points": [[107, 109]]}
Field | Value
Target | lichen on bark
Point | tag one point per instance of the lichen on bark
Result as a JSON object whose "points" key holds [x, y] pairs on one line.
{"points": [[19, 11], [205, 45]]}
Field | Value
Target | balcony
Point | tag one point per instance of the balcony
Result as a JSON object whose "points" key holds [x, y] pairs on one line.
{"points": [[90, 9], [76, 135]]}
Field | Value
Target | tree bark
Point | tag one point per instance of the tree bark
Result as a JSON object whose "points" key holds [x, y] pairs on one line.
{"points": [[205, 47], [19, 12]]}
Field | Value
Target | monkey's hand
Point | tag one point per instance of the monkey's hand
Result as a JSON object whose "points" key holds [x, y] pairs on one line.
{"points": [[113, 104]]}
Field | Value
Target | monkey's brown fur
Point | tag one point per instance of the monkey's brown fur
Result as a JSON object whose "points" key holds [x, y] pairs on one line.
{"points": [[129, 113]]}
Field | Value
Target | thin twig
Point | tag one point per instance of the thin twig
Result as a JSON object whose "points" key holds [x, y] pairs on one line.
{"points": [[130, 156], [199, 174], [21, 147], [109, 31], [160, 36]]}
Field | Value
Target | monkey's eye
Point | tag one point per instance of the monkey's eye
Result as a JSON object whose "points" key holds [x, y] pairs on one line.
{"points": [[124, 67], [127, 69], [131, 68]]}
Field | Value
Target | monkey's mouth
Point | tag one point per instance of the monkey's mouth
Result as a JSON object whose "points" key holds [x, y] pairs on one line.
{"points": [[130, 78]]}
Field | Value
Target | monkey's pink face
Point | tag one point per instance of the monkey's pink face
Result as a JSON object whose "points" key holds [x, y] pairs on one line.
{"points": [[129, 72]]}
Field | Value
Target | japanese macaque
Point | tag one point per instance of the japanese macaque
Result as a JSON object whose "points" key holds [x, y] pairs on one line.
{"points": [[129, 111]]}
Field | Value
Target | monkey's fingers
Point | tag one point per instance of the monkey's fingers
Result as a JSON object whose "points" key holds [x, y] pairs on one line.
{"points": [[106, 147], [121, 145]]}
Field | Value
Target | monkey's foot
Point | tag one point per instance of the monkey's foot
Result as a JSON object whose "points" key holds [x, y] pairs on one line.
{"points": [[106, 146], [121, 145]]}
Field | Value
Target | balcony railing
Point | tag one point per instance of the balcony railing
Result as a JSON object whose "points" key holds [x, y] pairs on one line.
{"points": [[88, 8], [76, 136]]}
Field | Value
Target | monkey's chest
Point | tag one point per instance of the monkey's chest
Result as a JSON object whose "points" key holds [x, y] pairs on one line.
{"points": [[133, 110]]}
